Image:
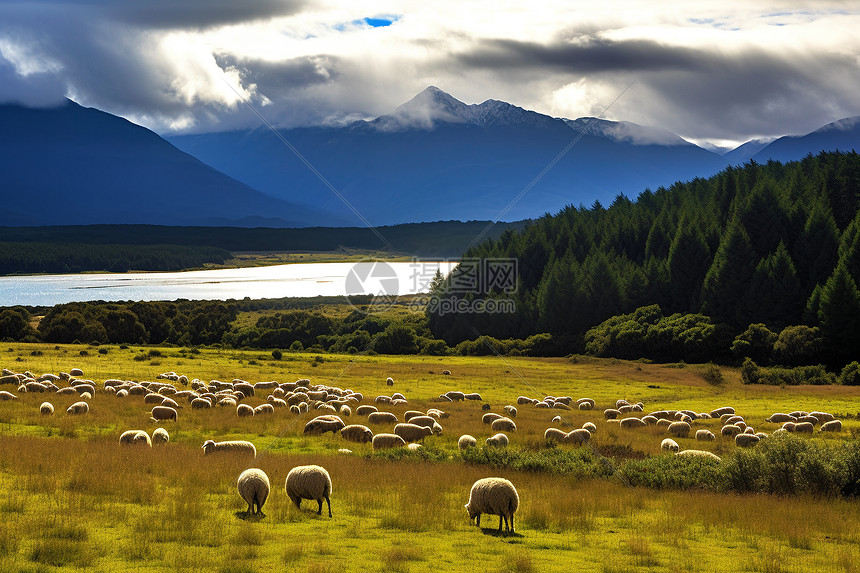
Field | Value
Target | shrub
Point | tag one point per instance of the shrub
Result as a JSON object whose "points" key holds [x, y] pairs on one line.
{"points": [[798, 345], [750, 372], [850, 375], [755, 342], [713, 375], [297, 346], [277, 354]]}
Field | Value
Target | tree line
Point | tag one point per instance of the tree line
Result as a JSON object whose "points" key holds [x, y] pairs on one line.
{"points": [[772, 244]]}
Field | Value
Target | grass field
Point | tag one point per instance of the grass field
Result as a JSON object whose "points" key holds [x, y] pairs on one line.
{"points": [[75, 499]]}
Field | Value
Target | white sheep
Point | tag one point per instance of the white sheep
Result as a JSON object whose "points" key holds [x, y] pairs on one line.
{"points": [[832, 426], [578, 436], [4, 396], [323, 424], [385, 441], [412, 432], [135, 438], [590, 426], [382, 418], [253, 485], [780, 417], [511, 411], [493, 496], [160, 436], [705, 436], [611, 414], [804, 427], [490, 417], [679, 429], [244, 410], [229, 447], [669, 445], [198, 403], [47, 409], [160, 413], [746, 440], [309, 482], [264, 409], [730, 430], [503, 425], [499, 440], [365, 409], [466, 441], [554, 435], [632, 423], [699, 454], [357, 433], [78, 408]]}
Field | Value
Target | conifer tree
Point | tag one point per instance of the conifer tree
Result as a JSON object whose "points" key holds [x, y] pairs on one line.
{"points": [[839, 315], [729, 277]]}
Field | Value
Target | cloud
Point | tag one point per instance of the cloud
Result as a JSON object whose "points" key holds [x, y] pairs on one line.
{"points": [[727, 71]]}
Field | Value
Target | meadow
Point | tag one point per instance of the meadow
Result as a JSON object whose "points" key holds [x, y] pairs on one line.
{"points": [[74, 498]]}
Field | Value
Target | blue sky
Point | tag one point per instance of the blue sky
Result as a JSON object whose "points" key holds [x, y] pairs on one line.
{"points": [[721, 71]]}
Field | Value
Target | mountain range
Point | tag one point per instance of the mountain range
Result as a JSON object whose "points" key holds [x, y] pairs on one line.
{"points": [[432, 158]]}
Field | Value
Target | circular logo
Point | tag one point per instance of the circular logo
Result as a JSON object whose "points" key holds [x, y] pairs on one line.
{"points": [[375, 279]]}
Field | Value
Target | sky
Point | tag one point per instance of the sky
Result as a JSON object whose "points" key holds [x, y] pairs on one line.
{"points": [[721, 72]]}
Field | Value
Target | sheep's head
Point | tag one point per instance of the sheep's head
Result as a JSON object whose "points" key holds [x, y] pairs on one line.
{"points": [[471, 511], [207, 445]]}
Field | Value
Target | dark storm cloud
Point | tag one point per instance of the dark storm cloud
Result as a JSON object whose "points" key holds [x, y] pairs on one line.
{"points": [[283, 76], [695, 92], [166, 14]]}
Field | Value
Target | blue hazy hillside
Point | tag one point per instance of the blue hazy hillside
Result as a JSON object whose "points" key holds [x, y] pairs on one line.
{"points": [[842, 135], [76, 165], [437, 158]]}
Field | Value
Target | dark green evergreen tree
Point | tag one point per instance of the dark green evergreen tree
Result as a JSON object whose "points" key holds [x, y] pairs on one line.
{"points": [[775, 296], [815, 251], [728, 280], [689, 261], [839, 315]]}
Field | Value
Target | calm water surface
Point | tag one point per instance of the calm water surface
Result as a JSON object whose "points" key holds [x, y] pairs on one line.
{"points": [[293, 280]]}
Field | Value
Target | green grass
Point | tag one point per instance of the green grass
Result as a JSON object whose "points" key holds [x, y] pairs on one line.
{"points": [[74, 499]]}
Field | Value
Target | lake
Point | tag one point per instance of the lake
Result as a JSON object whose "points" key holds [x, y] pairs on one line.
{"points": [[278, 281]]}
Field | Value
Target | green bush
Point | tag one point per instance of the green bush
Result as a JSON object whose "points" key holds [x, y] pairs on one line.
{"points": [[675, 472], [850, 375]]}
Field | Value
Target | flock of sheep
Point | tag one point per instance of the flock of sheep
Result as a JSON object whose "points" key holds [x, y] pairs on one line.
{"points": [[330, 405]]}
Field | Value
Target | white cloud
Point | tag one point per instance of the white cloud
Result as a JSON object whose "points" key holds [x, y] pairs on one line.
{"points": [[705, 70]]}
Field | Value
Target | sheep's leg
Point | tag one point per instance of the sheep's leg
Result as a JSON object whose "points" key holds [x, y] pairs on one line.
{"points": [[328, 501], [319, 511], [501, 517], [512, 523], [478, 521]]}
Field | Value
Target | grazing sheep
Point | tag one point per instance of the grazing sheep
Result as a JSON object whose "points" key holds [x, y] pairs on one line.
{"points": [[499, 440], [733, 419], [809, 418], [503, 425], [554, 435], [511, 411], [76, 372], [730, 431], [746, 440], [47, 409], [309, 482], [409, 414], [276, 402], [679, 429], [198, 403], [4, 396], [356, 433], [466, 441], [160, 436], [485, 407], [632, 423], [493, 496], [474, 396], [579, 436], [382, 418], [719, 412], [590, 426], [244, 410], [365, 409], [437, 413], [253, 485], [705, 436], [78, 408], [385, 441], [663, 423], [490, 417], [264, 409], [455, 395], [323, 424], [650, 420], [446, 373], [229, 447], [428, 421], [164, 413], [788, 426], [388, 382], [135, 438], [823, 417], [804, 427], [780, 417], [522, 400], [412, 432], [588, 401], [611, 414], [700, 454], [832, 426], [669, 445]]}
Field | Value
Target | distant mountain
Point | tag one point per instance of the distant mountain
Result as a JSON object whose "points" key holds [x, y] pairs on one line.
{"points": [[437, 158], [841, 135], [745, 152], [76, 165]]}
